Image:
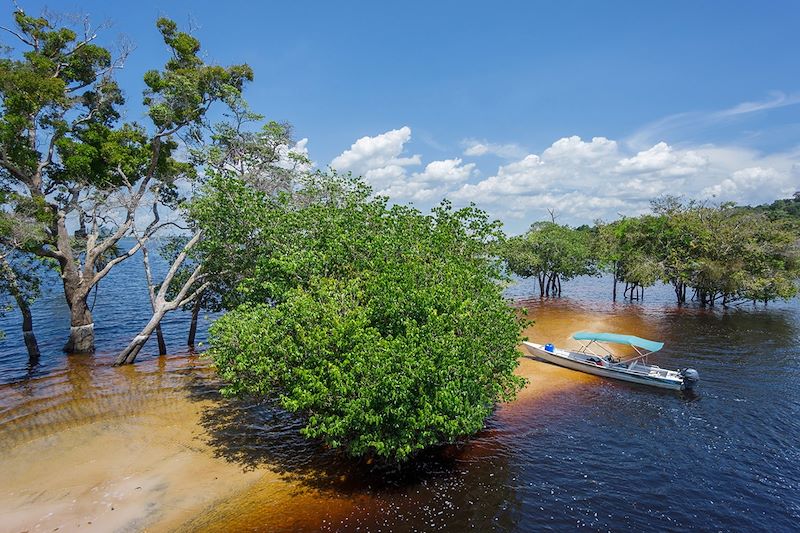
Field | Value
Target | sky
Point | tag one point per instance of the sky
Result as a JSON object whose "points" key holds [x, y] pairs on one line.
{"points": [[590, 109]]}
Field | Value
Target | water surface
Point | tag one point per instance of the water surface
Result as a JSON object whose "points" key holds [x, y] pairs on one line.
{"points": [[572, 451]]}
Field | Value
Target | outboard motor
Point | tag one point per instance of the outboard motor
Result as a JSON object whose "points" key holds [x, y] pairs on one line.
{"points": [[690, 377]]}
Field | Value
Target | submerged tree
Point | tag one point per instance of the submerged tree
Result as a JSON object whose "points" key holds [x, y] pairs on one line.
{"points": [[552, 253], [383, 327], [625, 249], [19, 279], [69, 160]]}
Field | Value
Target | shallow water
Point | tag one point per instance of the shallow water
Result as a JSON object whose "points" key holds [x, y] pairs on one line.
{"points": [[573, 451]]}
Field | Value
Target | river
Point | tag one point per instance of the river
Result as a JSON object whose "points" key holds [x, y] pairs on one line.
{"points": [[89, 446]]}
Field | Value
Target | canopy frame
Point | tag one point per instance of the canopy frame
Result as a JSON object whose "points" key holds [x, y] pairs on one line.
{"points": [[636, 343]]}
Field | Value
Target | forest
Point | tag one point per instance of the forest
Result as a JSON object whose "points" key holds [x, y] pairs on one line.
{"points": [[710, 254]]}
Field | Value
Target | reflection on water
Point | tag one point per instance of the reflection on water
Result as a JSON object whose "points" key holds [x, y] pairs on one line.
{"points": [[573, 450]]}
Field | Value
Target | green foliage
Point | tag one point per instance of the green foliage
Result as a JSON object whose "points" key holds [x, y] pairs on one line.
{"points": [[181, 93], [551, 252], [385, 328], [722, 252], [787, 209]]}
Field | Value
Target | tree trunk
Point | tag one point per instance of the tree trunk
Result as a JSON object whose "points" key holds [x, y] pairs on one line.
{"points": [[614, 293], [81, 331], [198, 304], [27, 330], [541, 285], [24, 309], [128, 355], [162, 346], [161, 306], [558, 280]]}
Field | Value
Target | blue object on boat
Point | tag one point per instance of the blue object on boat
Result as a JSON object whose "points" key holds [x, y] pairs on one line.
{"points": [[630, 340], [549, 347]]}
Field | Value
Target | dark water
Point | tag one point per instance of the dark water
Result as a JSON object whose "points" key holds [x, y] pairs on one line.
{"points": [[119, 310], [596, 455]]}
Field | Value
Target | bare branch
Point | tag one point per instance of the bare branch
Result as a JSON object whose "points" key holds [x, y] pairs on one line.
{"points": [[194, 295], [181, 299], [102, 273], [162, 292], [18, 36]]}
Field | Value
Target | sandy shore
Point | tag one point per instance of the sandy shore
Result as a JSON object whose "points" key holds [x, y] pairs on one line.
{"points": [[151, 470], [149, 463]]}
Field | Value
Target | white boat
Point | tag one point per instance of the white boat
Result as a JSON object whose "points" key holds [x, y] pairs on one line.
{"points": [[634, 369]]}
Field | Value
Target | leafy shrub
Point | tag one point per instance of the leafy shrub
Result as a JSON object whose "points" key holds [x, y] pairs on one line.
{"points": [[385, 328]]}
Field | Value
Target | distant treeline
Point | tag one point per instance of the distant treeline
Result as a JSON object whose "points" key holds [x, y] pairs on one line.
{"points": [[708, 253]]}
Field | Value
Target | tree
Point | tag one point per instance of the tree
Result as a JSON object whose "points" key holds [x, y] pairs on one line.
{"points": [[722, 253], [161, 304], [66, 156], [552, 253], [386, 329], [200, 276], [19, 269], [625, 249], [19, 278]]}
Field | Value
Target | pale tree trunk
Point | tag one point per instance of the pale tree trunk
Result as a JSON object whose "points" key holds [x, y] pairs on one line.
{"points": [[81, 331], [128, 355], [161, 306]]}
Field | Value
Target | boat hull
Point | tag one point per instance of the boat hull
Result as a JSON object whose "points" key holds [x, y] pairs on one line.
{"points": [[561, 358]]}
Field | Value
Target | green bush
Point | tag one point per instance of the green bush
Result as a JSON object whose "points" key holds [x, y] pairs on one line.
{"points": [[393, 335]]}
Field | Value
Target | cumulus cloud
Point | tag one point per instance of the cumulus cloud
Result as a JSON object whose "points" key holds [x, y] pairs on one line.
{"points": [[446, 171], [378, 158], [585, 180], [582, 180], [663, 160], [433, 183], [752, 183]]}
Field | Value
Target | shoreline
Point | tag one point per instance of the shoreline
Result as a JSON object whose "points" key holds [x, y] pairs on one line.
{"points": [[145, 447]]}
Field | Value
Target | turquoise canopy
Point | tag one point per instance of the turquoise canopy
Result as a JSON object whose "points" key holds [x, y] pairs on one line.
{"points": [[630, 340]]}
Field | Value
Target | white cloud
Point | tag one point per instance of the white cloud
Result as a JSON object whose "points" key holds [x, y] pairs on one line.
{"points": [[757, 184], [378, 158], [582, 180], [446, 171], [475, 148], [663, 160], [586, 180], [433, 183], [575, 149]]}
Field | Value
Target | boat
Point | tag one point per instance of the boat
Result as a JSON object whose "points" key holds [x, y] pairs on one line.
{"points": [[594, 357]]}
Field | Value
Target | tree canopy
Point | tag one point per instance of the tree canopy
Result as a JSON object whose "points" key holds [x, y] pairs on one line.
{"points": [[550, 252], [384, 327], [721, 253]]}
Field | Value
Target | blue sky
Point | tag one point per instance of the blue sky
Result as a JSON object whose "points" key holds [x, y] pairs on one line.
{"points": [[590, 108]]}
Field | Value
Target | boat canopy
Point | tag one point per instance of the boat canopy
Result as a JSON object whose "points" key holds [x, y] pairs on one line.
{"points": [[616, 338]]}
